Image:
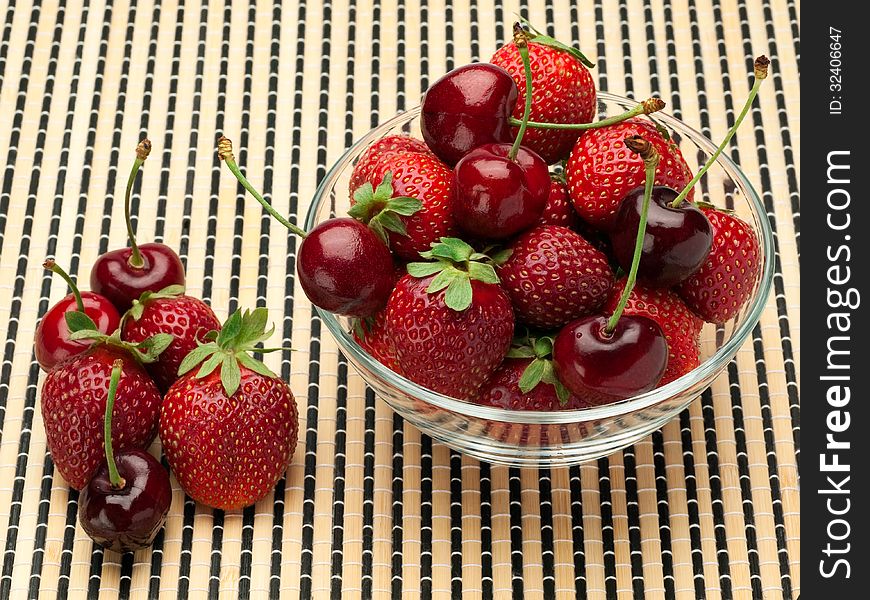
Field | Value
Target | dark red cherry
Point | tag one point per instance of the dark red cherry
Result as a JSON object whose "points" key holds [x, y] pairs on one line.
{"points": [[114, 276], [497, 197], [128, 517], [345, 268], [602, 367], [676, 243], [51, 343], [466, 108]]}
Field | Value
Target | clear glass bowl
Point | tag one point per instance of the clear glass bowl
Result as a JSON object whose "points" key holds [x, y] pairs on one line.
{"points": [[524, 438]]}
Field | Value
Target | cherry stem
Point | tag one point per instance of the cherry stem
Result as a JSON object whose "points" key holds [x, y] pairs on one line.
{"points": [[143, 149], [761, 65], [52, 266], [650, 157], [114, 477], [225, 153], [522, 43], [647, 107]]}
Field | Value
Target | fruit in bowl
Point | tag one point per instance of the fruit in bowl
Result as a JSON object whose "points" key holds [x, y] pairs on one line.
{"points": [[625, 349]]}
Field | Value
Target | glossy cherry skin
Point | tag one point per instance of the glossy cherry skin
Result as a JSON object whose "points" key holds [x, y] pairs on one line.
{"points": [[466, 108], [51, 343], [497, 197], [114, 277], [602, 368], [676, 243], [127, 518], [345, 268]]}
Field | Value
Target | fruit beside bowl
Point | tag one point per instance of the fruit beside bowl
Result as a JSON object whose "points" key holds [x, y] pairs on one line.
{"points": [[568, 435]]}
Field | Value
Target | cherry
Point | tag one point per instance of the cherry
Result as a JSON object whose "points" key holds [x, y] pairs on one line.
{"points": [[466, 108], [602, 366], [342, 264], [345, 268], [497, 196], [51, 344], [603, 359], [126, 502], [677, 241], [123, 275]]}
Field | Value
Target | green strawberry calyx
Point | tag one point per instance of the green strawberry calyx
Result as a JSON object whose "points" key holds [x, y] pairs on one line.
{"points": [[546, 40], [541, 369], [231, 348], [380, 210], [146, 352], [454, 264]]}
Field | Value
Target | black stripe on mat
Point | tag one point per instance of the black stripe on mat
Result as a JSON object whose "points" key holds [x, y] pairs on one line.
{"points": [[486, 581], [338, 504], [515, 488], [247, 534], [607, 537], [186, 553], [719, 532], [548, 551], [44, 506], [218, 517], [159, 228], [578, 539], [794, 195], [426, 516], [633, 514], [21, 271], [4, 43]]}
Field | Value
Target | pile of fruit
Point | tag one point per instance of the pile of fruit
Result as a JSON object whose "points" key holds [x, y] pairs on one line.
{"points": [[473, 270], [135, 358]]}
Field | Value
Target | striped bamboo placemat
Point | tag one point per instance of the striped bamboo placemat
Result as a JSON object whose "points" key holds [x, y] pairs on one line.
{"points": [[706, 508]]}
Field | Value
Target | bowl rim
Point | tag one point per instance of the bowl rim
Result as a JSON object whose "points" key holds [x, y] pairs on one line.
{"points": [[710, 366]]}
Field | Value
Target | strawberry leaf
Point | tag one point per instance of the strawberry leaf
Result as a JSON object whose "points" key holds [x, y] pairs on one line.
{"points": [[196, 356], [378, 228], [521, 352], [230, 331], [450, 248], [532, 375], [482, 272], [501, 257], [424, 269], [231, 375], [246, 360], [78, 321], [210, 365], [253, 325], [86, 334], [403, 205], [385, 187], [443, 279], [151, 348], [543, 347], [459, 294], [391, 221]]}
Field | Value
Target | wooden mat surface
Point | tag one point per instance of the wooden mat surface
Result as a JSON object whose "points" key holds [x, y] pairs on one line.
{"points": [[706, 508]]}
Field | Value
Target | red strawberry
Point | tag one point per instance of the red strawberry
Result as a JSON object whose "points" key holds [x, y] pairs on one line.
{"points": [[450, 322], [228, 435], [373, 337], [405, 177], [362, 170], [563, 91], [73, 403], [558, 210], [723, 284], [188, 319], [602, 170], [553, 276], [681, 327]]}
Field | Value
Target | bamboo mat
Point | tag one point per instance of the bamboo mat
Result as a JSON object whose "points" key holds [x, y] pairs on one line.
{"points": [[706, 508]]}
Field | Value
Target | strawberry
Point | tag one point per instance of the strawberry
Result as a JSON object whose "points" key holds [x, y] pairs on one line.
{"points": [[362, 170], [229, 434], [681, 327], [526, 380], [563, 92], [723, 284], [450, 322], [401, 177], [601, 170], [73, 404], [558, 210], [373, 337], [553, 276], [188, 319]]}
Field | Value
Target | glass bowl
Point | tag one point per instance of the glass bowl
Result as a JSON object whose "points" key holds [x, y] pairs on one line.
{"points": [[525, 438]]}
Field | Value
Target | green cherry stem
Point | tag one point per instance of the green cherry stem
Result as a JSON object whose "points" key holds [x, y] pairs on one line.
{"points": [[521, 41], [52, 266], [650, 157], [647, 107], [114, 477], [143, 149], [225, 153], [760, 68]]}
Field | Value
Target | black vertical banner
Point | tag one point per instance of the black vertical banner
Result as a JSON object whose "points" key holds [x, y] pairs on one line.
{"points": [[835, 277]]}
